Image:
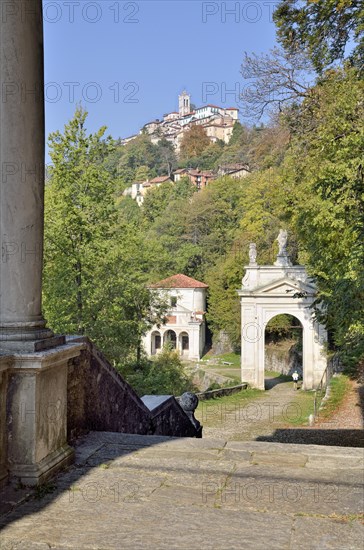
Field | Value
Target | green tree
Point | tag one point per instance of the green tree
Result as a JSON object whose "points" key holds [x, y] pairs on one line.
{"points": [[79, 217], [164, 375], [142, 173], [324, 28], [95, 270], [325, 194], [165, 157]]}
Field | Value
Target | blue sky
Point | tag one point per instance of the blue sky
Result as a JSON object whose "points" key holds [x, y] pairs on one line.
{"points": [[127, 61]]}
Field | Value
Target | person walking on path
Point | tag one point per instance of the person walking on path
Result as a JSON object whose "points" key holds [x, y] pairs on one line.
{"points": [[295, 377]]}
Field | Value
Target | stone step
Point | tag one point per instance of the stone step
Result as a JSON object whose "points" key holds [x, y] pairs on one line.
{"points": [[133, 492]]}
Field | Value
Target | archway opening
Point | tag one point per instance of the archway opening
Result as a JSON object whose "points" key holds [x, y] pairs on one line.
{"points": [[170, 339], [184, 343], [282, 349], [156, 342]]}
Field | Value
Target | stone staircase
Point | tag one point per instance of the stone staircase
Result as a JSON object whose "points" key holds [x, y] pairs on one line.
{"points": [[98, 398]]}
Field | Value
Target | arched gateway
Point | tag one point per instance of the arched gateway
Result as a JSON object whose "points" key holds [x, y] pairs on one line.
{"points": [[271, 290]]}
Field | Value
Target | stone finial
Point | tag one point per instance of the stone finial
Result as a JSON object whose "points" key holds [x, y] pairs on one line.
{"points": [[282, 257], [189, 402], [253, 254]]}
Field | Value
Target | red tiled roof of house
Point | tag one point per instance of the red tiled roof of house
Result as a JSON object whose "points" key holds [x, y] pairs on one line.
{"points": [[180, 170], [179, 281], [206, 173], [160, 179], [232, 109]]}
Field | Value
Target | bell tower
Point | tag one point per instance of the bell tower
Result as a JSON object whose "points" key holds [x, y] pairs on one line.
{"points": [[184, 103]]}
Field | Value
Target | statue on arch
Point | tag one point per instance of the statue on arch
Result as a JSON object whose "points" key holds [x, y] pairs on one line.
{"points": [[282, 257], [282, 241], [252, 254]]}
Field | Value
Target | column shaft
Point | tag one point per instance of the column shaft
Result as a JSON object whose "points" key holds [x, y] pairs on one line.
{"points": [[22, 141]]}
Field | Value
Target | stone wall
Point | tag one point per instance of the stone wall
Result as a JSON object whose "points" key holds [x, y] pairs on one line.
{"points": [[221, 392], [283, 358], [221, 343], [3, 435], [168, 420], [49, 398], [203, 379], [100, 399]]}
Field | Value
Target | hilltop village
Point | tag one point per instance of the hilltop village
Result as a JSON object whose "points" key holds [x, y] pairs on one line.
{"points": [[217, 124]]}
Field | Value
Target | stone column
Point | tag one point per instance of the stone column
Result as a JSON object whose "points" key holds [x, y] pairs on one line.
{"points": [[22, 142]]}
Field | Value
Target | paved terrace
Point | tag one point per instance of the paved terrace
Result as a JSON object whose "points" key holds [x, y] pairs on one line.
{"points": [[129, 491]]}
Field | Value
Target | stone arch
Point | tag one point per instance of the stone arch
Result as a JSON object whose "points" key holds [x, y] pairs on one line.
{"points": [[298, 327], [272, 290]]}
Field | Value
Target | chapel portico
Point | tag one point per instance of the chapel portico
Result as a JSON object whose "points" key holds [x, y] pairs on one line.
{"points": [[184, 328]]}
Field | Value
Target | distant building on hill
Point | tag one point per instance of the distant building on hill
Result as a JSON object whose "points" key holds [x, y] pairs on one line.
{"points": [[218, 123], [199, 178], [138, 189], [185, 328], [236, 170]]}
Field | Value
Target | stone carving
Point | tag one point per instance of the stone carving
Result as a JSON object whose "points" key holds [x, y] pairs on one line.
{"points": [[282, 241], [245, 280], [252, 254], [282, 257], [189, 402]]}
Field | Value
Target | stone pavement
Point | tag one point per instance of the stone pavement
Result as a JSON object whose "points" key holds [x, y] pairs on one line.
{"points": [[266, 418], [134, 492]]}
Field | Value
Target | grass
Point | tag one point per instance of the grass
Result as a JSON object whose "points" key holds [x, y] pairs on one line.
{"points": [[233, 358], [339, 386], [295, 416], [211, 412], [230, 370], [302, 407]]}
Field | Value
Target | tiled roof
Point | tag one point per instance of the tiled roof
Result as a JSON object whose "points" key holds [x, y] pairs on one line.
{"points": [[179, 281], [237, 166], [206, 173], [159, 179]]}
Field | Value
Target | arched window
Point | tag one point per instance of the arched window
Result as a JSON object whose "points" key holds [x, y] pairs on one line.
{"points": [[184, 343]]}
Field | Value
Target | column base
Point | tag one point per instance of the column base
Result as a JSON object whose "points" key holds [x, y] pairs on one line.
{"points": [[36, 474], [36, 413], [249, 375], [32, 346]]}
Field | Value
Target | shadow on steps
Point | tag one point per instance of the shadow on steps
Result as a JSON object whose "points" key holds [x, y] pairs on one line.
{"points": [[312, 436]]}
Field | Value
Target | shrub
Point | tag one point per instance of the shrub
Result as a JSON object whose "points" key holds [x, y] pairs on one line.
{"points": [[162, 375]]}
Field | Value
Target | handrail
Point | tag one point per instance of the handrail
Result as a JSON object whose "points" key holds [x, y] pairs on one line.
{"points": [[321, 390]]}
